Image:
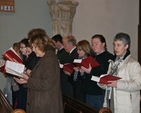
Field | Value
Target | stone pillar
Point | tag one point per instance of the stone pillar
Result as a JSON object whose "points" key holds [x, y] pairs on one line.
{"points": [[62, 13]]}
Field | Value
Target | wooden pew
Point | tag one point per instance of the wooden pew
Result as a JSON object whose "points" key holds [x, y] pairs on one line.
{"points": [[72, 105], [5, 106]]}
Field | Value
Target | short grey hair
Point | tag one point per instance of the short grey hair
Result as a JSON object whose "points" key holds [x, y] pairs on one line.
{"points": [[125, 38], [71, 40]]}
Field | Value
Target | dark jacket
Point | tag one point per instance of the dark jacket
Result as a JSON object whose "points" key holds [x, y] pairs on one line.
{"points": [[31, 61], [44, 92], [79, 92], [66, 80], [90, 86], [62, 54]]}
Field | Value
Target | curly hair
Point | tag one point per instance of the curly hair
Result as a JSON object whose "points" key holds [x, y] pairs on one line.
{"points": [[42, 41]]}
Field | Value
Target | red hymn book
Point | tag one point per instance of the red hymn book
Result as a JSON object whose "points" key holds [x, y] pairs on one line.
{"points": [[11, 55], [104, 79], [85, 62], [67, 67]]}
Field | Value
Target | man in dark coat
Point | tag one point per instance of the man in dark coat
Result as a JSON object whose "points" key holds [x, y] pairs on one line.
{"points": [[61, 52], [67, 78]]}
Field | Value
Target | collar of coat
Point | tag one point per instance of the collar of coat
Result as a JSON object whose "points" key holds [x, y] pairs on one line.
{"points": [[127, 54]]}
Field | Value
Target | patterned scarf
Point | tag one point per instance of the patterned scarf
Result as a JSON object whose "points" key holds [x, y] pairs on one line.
{"points": [[76, 73], [114, 72]]}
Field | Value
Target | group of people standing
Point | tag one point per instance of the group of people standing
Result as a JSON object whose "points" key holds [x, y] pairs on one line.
{"points": [[39, 88], [120, 96], [79, 84], [43, 81]]}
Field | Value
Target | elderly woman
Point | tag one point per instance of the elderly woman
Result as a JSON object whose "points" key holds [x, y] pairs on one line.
{"points": [[123, 96], [44, 92]]}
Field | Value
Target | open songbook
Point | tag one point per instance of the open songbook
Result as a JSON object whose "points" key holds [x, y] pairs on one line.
{"points": [[85, 62], [11, 55], [67, 67], [104, 79], [14, 68]]}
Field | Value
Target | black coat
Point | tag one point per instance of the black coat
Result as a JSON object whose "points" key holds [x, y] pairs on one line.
{"points": [[66, 80], [31, 61], [90, 86]]}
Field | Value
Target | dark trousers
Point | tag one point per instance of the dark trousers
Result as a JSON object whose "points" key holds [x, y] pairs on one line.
{"points": [[20, 98], [95, 101]]}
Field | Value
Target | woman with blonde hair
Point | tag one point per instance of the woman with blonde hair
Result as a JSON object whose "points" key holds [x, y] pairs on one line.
{"points": [[83, 50]]}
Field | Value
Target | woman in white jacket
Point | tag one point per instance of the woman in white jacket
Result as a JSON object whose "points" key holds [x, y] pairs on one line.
{"points": [[123, 96]]}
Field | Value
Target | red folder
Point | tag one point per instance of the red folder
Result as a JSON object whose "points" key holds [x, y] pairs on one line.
{"points": [[85, 62], [11, 55], [104, 79], [67, 67]]}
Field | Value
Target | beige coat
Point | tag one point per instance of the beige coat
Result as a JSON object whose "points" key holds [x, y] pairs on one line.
{"points": [[44, 92], [127, 93]]}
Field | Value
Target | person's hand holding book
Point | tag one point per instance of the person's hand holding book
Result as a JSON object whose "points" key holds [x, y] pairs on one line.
{"points": [[112, 83], [67, 73], [22, 79], [87, 70], [25, 76], [106, 79], [76, 69], [81, 72], [67, 68], [2, 62]]}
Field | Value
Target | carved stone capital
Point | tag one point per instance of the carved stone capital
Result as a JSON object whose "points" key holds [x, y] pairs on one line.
{"points": [[62, 13]]}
